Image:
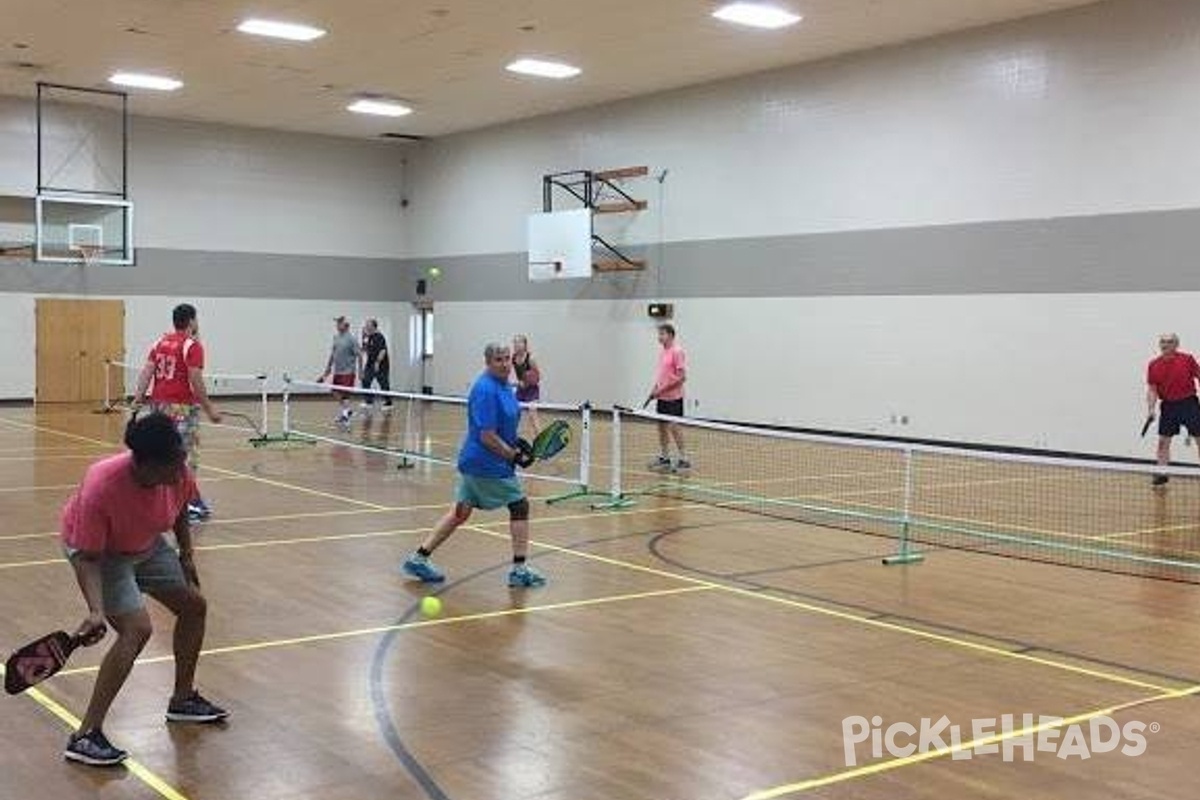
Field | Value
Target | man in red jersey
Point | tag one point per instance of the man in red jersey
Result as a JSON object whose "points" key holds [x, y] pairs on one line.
{"points": [[1171, 390], [174, 377]]}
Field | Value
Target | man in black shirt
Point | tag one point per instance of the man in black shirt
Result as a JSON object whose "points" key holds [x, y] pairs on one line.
{"points": [[375, 359]]}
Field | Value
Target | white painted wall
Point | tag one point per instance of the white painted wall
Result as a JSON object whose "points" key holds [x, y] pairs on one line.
{"points": [[206, 187], [1061, 372], [18, 368], [219, 188], [1084, 112]]}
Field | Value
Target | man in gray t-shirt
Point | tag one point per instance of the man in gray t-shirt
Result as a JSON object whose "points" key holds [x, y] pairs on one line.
{"points": [[343, 367]]}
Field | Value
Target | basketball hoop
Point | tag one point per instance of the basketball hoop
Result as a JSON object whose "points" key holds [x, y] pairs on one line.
{"points": [[88, 254]]}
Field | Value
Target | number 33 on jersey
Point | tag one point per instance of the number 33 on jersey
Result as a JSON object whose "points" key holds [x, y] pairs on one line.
{"points": [[173, 356]]}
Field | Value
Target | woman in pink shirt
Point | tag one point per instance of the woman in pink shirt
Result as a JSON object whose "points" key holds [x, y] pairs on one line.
{"points": [[113, 532], [669, 379]]}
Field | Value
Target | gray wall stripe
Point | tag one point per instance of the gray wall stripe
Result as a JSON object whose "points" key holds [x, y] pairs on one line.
{"points": [[1141, 252], [205, 274]]}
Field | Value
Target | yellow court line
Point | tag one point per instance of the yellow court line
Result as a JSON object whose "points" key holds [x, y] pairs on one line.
{"points": [[39, 488], [937, 487], [55, 457], [206, 548], [136, 768], [336, 537], [296, 488], [45, 562], [16, 537], [26, 426], [218, 521], [61, 486], [340, 537], [879, 767], [878, 473], [111, 448], [425, 623], [848, 617], [734, 503], [204, 467], [33, 448], [1183, 526]]}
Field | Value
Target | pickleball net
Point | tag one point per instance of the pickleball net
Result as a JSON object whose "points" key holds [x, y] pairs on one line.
{"points": [[1092, 514], [415, 429], [244, 397]]}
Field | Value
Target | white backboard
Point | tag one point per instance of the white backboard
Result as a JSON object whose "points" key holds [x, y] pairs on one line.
{"points": [[560, 245]]}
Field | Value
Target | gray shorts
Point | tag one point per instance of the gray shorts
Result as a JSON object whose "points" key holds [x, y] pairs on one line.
{"points": [[126, 578]]}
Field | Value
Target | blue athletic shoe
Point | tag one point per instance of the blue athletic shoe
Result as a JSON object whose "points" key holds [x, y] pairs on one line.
{"points": [[421, 568], [523, 575]]}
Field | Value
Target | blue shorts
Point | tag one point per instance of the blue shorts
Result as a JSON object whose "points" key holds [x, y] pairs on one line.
{"points": [[488, 493], [126, 577]]}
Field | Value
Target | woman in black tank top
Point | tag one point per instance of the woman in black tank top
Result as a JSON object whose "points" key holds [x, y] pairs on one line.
{"points": [[529, 378]]}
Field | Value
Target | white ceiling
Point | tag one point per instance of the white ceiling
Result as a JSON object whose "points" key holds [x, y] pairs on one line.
{"points": [[444, 57]]}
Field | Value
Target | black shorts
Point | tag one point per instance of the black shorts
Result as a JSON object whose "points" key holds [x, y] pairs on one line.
{"points": [[671, 408], [371, 374], [1174, 414]]}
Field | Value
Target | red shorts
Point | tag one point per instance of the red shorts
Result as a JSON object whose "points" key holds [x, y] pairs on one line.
{"points": [[348, 379]]}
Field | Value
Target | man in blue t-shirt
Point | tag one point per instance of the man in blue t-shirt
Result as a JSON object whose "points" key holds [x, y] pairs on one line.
{"points": [[487, 478]]}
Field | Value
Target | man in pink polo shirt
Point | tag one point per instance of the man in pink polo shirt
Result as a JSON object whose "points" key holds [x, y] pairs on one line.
{"points": [[113, 533], [669, 379]]}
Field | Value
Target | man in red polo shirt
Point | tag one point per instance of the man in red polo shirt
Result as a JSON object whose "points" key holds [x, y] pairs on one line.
{"points": [[1171, 390]]}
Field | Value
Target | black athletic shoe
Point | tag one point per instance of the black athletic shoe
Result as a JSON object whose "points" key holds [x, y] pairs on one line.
{"points": [[1160, 480], [195, 708], [94, 749]]}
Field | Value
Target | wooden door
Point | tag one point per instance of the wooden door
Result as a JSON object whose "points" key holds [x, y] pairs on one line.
{"points": [[74, 338]]}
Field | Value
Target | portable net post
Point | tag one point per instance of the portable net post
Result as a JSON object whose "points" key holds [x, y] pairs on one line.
{"points": [[616, 493], [583, 485], [906, 554]]}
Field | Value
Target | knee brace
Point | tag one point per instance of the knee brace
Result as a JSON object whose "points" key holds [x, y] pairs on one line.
{"points": [[519, 510]]}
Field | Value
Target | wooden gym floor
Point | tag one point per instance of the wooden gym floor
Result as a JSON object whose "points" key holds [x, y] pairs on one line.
{"points": [[680, 651]]}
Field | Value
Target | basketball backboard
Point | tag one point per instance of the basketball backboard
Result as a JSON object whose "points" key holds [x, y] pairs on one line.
{"points": [[64, 227], [560, 245]]}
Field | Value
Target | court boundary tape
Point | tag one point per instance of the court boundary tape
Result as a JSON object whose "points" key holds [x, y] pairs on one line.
{"points": [[143, 773]]}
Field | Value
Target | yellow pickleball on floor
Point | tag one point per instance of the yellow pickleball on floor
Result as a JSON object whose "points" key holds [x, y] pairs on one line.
{"points": [[431, 606]]}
